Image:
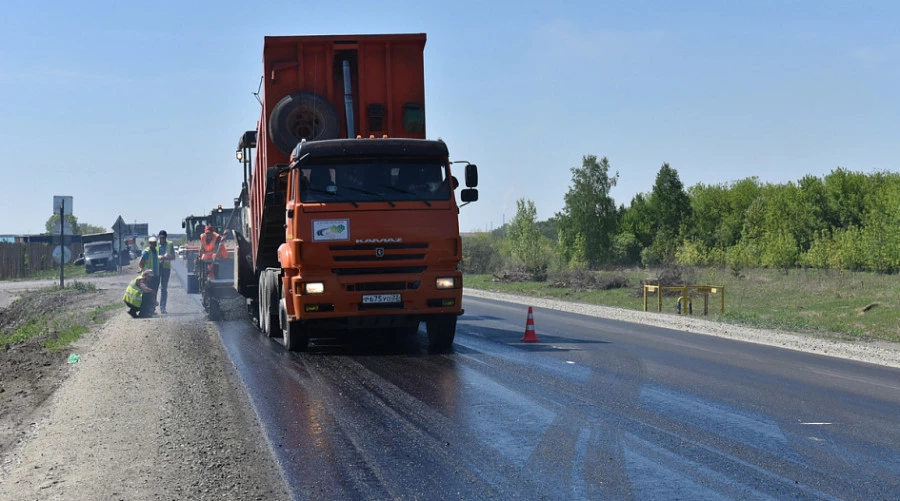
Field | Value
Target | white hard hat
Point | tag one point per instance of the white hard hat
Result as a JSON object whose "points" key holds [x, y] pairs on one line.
{"points": [[152, 240], [148, 273]]}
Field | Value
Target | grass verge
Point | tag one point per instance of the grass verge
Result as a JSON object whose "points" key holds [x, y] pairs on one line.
{"points": [[848, 305], [53, 316]]}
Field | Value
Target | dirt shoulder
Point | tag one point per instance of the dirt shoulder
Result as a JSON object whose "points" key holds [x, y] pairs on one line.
{"points": [[153, 410]]}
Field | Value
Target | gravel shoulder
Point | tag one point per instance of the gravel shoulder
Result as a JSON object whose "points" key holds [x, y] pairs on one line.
{"points": [[154, 410]]}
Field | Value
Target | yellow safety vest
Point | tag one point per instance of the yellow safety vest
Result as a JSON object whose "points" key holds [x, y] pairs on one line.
{"points": [[152, 261], [134, 294], [164, 249]]}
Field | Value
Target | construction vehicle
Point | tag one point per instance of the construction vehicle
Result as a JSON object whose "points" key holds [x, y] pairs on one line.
{"points": [[350, 215], [213, 279], [193, 228]]}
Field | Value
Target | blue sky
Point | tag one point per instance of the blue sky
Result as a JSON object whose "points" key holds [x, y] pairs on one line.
{"points": [[136, 109]]}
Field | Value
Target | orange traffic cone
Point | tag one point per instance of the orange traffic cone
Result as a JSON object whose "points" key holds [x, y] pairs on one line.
{"points": [[530, 336]]}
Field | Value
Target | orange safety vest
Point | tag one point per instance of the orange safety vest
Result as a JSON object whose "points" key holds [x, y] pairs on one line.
{"points": [[208, 246]]}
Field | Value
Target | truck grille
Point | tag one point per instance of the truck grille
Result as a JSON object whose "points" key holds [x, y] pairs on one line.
{"points": [[373, 257], [381, 270], [382, 286], [389, 258]]}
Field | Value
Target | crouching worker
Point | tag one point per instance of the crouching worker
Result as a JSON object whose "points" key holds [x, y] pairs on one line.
{"points": [[139, 297]]}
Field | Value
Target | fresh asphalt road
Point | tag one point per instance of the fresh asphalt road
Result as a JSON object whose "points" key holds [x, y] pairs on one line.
{"points": [[597, 409]]}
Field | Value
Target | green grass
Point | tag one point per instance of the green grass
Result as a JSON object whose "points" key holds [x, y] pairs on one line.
{"points": [[33, 327], [97, 315], [70, 271], [822, 302], [66, 334], [58, 328]]}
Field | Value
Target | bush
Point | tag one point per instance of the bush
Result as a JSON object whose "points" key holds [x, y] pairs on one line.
{"points": [[481, 255]]}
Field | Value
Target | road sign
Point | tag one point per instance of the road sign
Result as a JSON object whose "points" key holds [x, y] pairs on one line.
{"points": [[65, 252], [120, 226], [137, 229], [62, 202]]}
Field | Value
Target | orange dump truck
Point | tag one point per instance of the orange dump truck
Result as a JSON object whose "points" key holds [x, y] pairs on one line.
{"points": [[351, 218]]}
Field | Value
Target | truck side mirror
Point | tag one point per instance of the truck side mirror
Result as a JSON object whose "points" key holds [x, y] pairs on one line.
{"points": [[469, 195], [471, 175]]}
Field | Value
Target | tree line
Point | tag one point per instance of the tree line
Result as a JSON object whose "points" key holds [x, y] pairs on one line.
{"points": [[843, 221], [73, 225]]}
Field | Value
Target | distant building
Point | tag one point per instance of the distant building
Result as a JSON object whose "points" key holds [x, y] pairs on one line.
{"points": [[7, 239]]}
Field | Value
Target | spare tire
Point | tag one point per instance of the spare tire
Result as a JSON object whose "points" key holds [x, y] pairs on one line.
{"points": [[302, 115]]}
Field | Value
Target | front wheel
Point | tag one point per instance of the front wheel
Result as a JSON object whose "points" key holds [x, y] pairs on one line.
{"points": [[441, 331], [294, 333], [273, 296]]}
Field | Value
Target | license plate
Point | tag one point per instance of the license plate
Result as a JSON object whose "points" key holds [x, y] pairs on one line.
{"points": [[380, 298]]}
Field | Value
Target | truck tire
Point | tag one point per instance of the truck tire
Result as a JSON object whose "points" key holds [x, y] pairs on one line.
{"points": [[302, 115], [273, 326], [263, 302], [294, 333], [441, 331]]}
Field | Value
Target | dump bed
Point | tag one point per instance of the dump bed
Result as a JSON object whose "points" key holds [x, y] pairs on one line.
{"points": [[329, 87]]}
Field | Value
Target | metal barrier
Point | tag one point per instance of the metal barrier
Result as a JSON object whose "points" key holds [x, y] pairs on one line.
{"points": [[685, 298]]}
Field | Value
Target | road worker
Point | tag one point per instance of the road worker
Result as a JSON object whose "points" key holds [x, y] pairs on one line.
{"points": [[150, 261], [211, 247], [166, 255], [140, 298]]}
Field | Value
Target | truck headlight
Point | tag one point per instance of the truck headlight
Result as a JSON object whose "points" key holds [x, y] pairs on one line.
{"points": [[445, 283], [314, 288]]}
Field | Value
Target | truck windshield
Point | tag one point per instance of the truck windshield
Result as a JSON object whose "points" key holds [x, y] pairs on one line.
{"points": [[194, 227], [372, 181], [219, 219], [97, 248]]}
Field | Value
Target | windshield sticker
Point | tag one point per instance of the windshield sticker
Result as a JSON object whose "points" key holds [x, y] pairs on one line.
{"points": [[331, 229]]}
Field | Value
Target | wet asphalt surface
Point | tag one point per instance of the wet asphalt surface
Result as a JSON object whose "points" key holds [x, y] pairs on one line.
{"points": [[596, 410]]}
